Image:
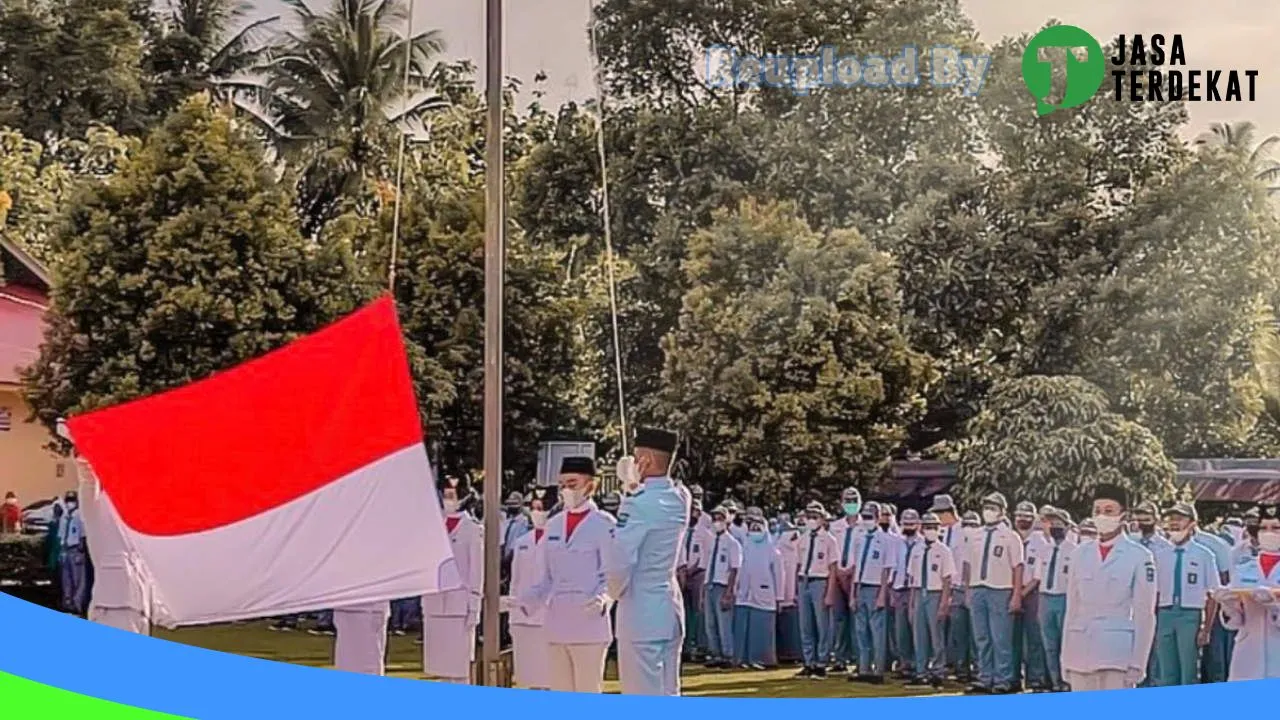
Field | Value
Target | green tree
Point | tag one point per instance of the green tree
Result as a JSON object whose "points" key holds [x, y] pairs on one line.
{"points": [[187, 262], [1241, 137], [789, 367], [66, 65], [1052, 439]]}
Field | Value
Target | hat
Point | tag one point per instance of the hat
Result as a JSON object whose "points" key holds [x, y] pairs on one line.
{"points": [[1087, 524], [996, 499], [1045, 510], [850, 495], [1147, 507], [1186, 510], [942, 503], [1234, 521], [695, 491], [888, 508], [656, 439], [696, 504], [755, 513], [1054, 513], [910, 516], [454, 482], [515, 499], [720, 510], [815, 507], [928, 519], [1026, 508], [1268, 512], [1254, 513], [578, 466], [1065, 515], [872, 508], [970, 518], [1108, 491], [539, 494]]}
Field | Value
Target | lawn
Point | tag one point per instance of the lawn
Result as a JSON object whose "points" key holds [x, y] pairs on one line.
{"points": [[253, 639]]}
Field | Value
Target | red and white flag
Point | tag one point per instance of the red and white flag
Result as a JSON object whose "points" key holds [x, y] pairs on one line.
{"points": [[295, 482]]}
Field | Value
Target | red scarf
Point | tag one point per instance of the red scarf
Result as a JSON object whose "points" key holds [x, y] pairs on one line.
{"points": [[537, 535], [571, 521], [1268, 562], [450, 523], [1105, 550]]}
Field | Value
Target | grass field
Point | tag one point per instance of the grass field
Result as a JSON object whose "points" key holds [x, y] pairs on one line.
{"points": [[254, 640]]}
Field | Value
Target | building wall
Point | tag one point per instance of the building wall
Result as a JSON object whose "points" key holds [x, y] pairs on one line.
{"points": [[26, 468]]}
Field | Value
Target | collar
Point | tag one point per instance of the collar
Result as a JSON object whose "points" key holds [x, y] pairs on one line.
{"points": [[1110, 543], [657, 481]]}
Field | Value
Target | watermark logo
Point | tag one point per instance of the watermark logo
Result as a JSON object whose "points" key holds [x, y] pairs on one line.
{"points": [[1084, 77], [1144, 68], [947, 67]]}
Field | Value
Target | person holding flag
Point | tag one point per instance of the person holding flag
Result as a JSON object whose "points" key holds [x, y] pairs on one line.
{"points": [[1249, 605]]}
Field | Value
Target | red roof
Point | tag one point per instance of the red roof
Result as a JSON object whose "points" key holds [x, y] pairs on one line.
{"points": [[21, 329]]}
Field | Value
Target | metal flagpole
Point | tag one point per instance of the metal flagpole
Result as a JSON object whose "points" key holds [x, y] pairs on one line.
{"points": [[494, 258]]}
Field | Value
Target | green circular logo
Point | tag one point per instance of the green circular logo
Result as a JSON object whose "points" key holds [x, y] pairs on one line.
{"points": [[1083, 77]]}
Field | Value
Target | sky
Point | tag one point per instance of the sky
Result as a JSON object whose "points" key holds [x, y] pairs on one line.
{"points": [[550, 35]]}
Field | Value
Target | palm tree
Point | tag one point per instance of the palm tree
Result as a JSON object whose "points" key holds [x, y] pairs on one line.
{"points": [[207, 45], [1239, 137], [335, 89]]}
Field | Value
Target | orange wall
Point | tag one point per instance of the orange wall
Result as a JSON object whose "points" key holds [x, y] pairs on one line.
{"points": [[26, 467]]}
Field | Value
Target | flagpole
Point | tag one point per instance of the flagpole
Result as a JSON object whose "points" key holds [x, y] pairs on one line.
{"points": [[494, 258]]}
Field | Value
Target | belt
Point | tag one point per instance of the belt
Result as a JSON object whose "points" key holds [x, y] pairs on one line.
{"points": [[867, 584], [1180, 607], [813, 578]]}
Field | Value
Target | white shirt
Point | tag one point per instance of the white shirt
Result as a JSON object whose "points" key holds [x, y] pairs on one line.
{"points": [[723, 554], [875, 551], [1111, 604], [527, 570], [1052, 572], [901, 552], [954, 538], [993, 557], [759, 578], [72, 531], [787, 568], [929, 565], [695, 545], [1035, 551], [815, 552], [1198, 570], [845, 535]]}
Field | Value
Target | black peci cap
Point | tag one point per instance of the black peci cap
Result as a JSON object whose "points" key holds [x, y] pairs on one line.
{"points": [[656, 439], [578, 466], [1107, 491]]}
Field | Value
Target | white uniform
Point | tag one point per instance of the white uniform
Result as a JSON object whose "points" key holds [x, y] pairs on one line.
{"points": [[788, 562], [1257, 649], [941, 565], [121, 595], [529, 649], [573, 576], [1111, 616], [1037, 551], [449, 618], [360, 637]]}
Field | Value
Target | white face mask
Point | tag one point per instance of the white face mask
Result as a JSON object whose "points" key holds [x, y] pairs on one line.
{"points": [[573, 498], [811, 524], [718, 525], [538, 517], [1269, 540], [1107, 524], [450, 506], [931, 535], [991, 517], [1179, 536]]}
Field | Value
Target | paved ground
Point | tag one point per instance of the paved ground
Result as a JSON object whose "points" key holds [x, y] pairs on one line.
{"points": [[253, 639]]}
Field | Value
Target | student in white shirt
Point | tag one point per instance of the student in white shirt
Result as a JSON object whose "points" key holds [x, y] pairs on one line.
{"points": [[929, 570], [722, 564], [840, 621], [816, 551], [995, 596], [1051, 577], [1028, 647], [902, 640], [872, 577], [759, 588]]}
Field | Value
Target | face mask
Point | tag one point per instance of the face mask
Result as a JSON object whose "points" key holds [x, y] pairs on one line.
{"points": [[693, 519], [718, 526], [991, 517], [513, 511], [1179, 536], [1147, 528], [1106, 524], [867, 522], [539, 518], [1022, 524], [907, 532], [1058, 533], [1269, 540], [811, 524], [931, 535], [11, 501], [756, 535], [737, 521], [450, 506], [884, 526], [851, 509], [572, 498]]}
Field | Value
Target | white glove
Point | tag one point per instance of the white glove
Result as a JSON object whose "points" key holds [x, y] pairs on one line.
{"points": [[506, 603], [473, 612], [599, 604], [1135, 676], [628, 476]]}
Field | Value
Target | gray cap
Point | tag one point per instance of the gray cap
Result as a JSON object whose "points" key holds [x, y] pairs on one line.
{"points": [[815, 507], [755, 513], [850, 495], [1045, 510], [515, 498], [696, 491], [1054, 513], [720, 510], [1086, 525], [1235, 521], [971, 519], [997, 500], [695, 504], [1025, 508], [942, 503], [1186, 510], [871, 508], [910, 516], [928, 519], [1146, 507]]}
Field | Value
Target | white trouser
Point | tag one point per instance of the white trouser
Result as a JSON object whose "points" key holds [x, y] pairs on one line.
{"points": [[127, 619], [1097, 680], [360, 642], [577, 668]]}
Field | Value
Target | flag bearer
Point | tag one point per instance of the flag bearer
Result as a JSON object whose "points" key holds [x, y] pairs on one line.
{"points": [[995, 596], [530, 653], [929, 569], [1186, 579], [1255, 615], [1051, 577], [758, 590], [449, 618], [360, 637], [816, 550], [1111, 599]]}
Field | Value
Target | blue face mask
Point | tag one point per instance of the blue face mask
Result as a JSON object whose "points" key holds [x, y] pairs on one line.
{"points": [[852, 509], [756, 535]]}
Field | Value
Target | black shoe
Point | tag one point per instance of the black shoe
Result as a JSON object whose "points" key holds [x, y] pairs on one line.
{"points": [[820, 673], [917, 682], [838, 668], [904, 675], [1062, 688], [875, 679], [978, 689], [937, 682], [755, 666], [805, 672], [1004, 690]]}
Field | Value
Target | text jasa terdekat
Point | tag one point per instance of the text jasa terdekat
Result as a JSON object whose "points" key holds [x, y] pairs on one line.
{"points": [[1146, 84]]}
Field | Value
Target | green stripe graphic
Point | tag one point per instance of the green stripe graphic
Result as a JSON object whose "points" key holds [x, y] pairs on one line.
{"points": [[34, 700]]}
